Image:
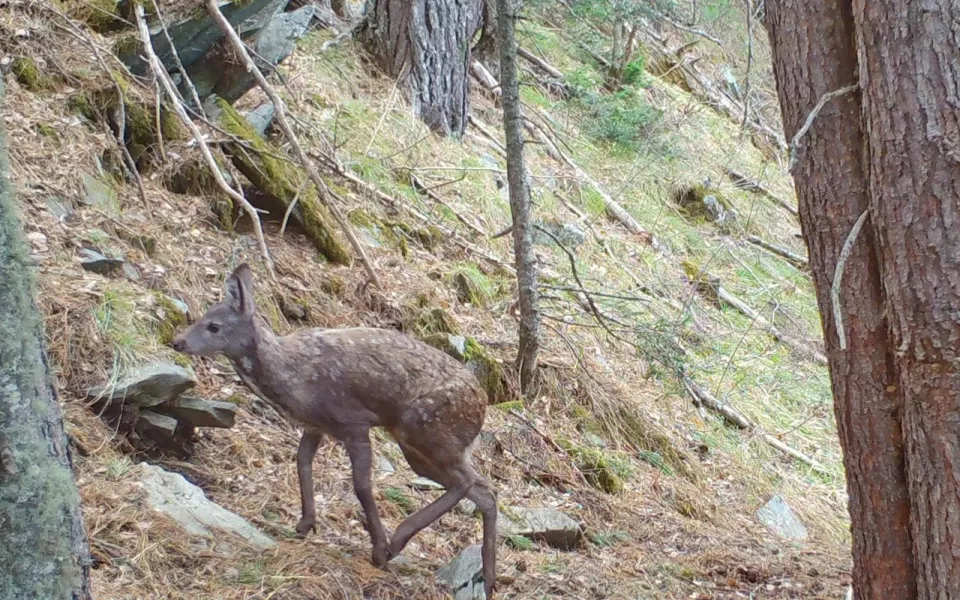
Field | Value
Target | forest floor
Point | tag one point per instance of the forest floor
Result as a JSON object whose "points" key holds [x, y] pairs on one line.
{"points": [[682, 522]]}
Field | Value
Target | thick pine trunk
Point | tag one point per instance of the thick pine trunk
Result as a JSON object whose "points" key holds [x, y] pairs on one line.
{"points": [[813, 53], [426, 43], [910, 74], [43, 548], [519, 198]]}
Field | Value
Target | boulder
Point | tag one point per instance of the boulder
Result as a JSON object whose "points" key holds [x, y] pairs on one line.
{"points": [[173, 495], [200, 412], [780, 518], [261, 117], [193, 37], [221, 74], [156, 426], [99, 194], [147, 386], [464, 574], [547, 525]]}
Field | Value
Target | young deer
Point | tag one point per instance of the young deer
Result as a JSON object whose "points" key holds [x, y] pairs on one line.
{"points": [[342, 382]]}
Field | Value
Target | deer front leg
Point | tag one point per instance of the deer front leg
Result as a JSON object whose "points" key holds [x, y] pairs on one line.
{"points": [[305, 453], [360, 453]]}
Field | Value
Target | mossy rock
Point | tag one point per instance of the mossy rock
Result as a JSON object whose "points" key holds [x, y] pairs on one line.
{"points": [[600, 470], [100, 15], [169, 318], [29, 74], [704, 205], [473, 286], [483, 366], [432, 321], [282, 181], [48, 131]]}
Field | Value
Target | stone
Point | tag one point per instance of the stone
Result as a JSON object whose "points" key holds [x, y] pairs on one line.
{"points": [[130, 272], [464, 574], [261, 117], [221, 74], [99, 194], [594, 440], [569, 235], [200, 412], [148, 386], [466, 507], [156, 426], [385, 466], [780, 518], [194, 37], [426, 485], [59, 207], [173, 495], [93, 261], [547, 525]]}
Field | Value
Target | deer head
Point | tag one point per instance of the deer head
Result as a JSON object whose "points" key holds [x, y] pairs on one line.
{"points": [[228, 326]]}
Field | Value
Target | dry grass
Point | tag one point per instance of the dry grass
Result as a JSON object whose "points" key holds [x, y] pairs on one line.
{"points": [[685, 531]]}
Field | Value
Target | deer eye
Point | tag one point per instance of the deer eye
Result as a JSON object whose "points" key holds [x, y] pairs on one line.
{"points": [[213, 327]]}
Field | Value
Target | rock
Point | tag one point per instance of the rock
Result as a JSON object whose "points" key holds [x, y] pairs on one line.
{"points": [[173, 495], [426, 485], [200, 412], [261, 117], [130, 271], [95, 262], [594, 440], [548, 525], [569, 235], [156, 426], [193, 37], [147, 386], [224, 76], [466, 507], [454, 345], [780, 518], [59, 207], [464, 574], [385, 466], [99, 194]]}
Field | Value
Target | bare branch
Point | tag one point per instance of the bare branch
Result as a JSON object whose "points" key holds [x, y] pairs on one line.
{"points": [[845, 252], [795, 142]]}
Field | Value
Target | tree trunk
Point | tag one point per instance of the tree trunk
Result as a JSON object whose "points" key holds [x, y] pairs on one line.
{"points": [[426, 43], [814, 52], [43, 548], [910, 74], [519, 199], [339, 8], [487, 50]]}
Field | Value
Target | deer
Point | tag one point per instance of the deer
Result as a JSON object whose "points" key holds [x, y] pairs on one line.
{"points": [[344, 382]]}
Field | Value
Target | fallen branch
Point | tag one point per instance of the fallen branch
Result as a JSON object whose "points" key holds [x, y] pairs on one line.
{"points": [[709, 285], [418, 186], [794, 259], [164, 78], [485, 131], [704, 398], [539, 62], [322, 189], [745, 183]]}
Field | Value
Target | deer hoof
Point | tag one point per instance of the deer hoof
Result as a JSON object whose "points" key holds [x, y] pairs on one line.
{"points": [[305, 526], [380, 556]]}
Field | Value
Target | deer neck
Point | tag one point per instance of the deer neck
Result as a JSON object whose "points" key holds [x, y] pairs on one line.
{"points": [[260, 364]]}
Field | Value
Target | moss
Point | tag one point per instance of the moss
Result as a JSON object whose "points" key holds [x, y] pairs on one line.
{"points": [[429, 237], [48, 131], [100, 15], [473, 286], [223, 208], [169, 318], [81, 104], [600, 470], [193, 177], [690, 200], [239, 399], [29, 75], [487, 370], [283, 181], [333, 285], [432, 321]]}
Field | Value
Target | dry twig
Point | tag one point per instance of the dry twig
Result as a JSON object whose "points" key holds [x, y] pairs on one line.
{"points": [[845, 252], [795, 142]]}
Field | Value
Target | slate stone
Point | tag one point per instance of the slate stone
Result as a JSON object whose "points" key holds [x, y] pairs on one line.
{"points": [[464, 574], [173, 495], [200, 412], [94, 262], [147, 386], [156, 425], [426, 485], [261, 117], [547, 525], [99, 194], [780, 518]]}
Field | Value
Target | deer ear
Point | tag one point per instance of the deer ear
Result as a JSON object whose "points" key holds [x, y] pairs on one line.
{"points": [[239, 290]]}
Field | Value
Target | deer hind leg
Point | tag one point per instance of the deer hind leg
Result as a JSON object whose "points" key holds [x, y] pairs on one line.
{"points": [[305, 453], [360, 453], [484, 496]]}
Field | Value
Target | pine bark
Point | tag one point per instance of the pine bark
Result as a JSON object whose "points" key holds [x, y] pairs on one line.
{"points": [[426, 43], [814, 52], [487, 50], [910, 73], [43, 548], [519, 199]]}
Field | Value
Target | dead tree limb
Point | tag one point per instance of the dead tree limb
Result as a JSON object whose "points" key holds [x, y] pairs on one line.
{"points": [[164, 78], [794, 259], [745, 183], [322, 189]]}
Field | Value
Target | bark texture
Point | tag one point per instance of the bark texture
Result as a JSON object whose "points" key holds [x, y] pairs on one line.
{"points": [[43, 548], [909, 54], [487, 50], [814, 53], [519, 198], [426, 43]]}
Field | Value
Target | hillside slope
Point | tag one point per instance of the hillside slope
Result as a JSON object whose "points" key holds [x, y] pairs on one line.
{"points": [[667, 490]]}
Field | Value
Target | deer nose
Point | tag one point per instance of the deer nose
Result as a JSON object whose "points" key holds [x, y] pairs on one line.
{"points": [[179, 345]]}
